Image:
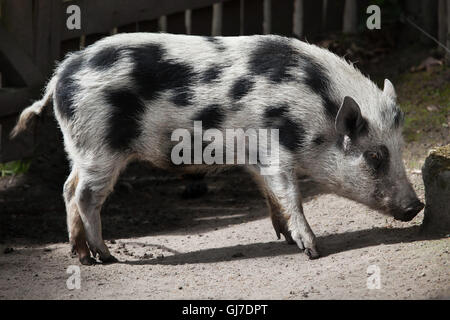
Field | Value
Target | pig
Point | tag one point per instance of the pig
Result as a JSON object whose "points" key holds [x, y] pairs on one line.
{"points": [[121, 98]]}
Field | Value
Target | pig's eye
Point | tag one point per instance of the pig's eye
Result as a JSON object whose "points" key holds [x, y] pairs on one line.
{"points": [[374, 158], [377, 157]]}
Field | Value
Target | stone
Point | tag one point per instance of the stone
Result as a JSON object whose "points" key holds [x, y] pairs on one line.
{"points": [[436, 177]]}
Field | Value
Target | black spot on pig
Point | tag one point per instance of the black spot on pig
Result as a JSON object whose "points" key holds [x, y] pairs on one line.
{"points": [[273, 112], [105, 58], [153, 74], [67, 87], [211, 74], [318, 140], [274, 58], [241, 87], [212, 117], [127, 109], [317, 80], [182, 97], [291, 133]]}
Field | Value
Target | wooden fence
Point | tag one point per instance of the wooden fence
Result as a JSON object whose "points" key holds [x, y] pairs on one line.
{"points": [[33, 35]]}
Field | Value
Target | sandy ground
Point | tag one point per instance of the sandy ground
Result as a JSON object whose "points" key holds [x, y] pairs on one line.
{"points": [[222, 246]]}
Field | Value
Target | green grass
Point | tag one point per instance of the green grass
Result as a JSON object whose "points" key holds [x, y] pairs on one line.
{"points": [[14, 167], [416, 92]]}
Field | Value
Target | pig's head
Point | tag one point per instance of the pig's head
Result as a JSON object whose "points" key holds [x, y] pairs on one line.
{"points": [[369, 166]]}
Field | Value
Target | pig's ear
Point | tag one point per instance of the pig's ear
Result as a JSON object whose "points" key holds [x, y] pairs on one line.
{"points": [[349, 121], [389, 90]]}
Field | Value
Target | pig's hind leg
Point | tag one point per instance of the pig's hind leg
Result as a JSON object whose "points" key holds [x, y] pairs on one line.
{"points": [[95, 184], [284, 199], [77, 237], [279, 219]]}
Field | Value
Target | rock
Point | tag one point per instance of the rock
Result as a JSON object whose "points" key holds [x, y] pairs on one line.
{"points": [[436, 177]]}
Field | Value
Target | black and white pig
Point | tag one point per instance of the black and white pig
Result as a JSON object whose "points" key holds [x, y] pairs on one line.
{"points": [[122, 97]]}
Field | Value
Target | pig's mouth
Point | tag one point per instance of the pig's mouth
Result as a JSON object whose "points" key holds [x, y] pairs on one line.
{"points": [[408, 213]]}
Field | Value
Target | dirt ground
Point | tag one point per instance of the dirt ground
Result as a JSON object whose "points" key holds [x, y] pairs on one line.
{"points": [[184, 238], [222, 246]]}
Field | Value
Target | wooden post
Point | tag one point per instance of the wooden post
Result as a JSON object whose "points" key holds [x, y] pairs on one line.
{"points": [[148, 26], [17, 17], [231, 18], [253, 16], [282, 17], [448, 30], [333, 15], [175, 23], [201, 21], [442, 21], [429, 19], [312, 23], [217, 19], [298, 18], [267, 24], [47, 34], [350, 19]]}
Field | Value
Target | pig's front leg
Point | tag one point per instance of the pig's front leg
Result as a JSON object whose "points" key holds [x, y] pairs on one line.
{"points": [[282, 193]]}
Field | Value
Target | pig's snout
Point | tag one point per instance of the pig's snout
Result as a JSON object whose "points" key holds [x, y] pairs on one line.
{"points": [[410, 211]]}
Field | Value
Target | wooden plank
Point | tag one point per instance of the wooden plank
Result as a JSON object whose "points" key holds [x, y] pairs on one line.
{"points": [[216, 25], [47, 34], [253, 16], [17, 17], [92, 38], [19, 148], [11, 78], [231, 16], [148, 26], [312, 21], [201, 21], [176, 23], [127, 28], [19, 60], [333, 15], [282, 17], [14, 100], [69, 46], [298, 19], [98, 18]]}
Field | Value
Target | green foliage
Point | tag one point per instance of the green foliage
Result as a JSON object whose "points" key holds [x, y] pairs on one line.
{"points": [[417, 91], [14, 167]]}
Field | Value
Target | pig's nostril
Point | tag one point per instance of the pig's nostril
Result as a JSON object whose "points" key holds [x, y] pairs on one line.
{"points": [[416, 206], [413, 209], [409, 212]]}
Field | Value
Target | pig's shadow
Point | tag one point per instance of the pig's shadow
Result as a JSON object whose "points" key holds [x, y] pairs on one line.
{"points": [[328, 245]]}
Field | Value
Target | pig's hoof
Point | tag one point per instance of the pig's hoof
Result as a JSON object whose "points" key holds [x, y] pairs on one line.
{"points": [[87, 261], [288, 237], [108, 260], [312, 253]]}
